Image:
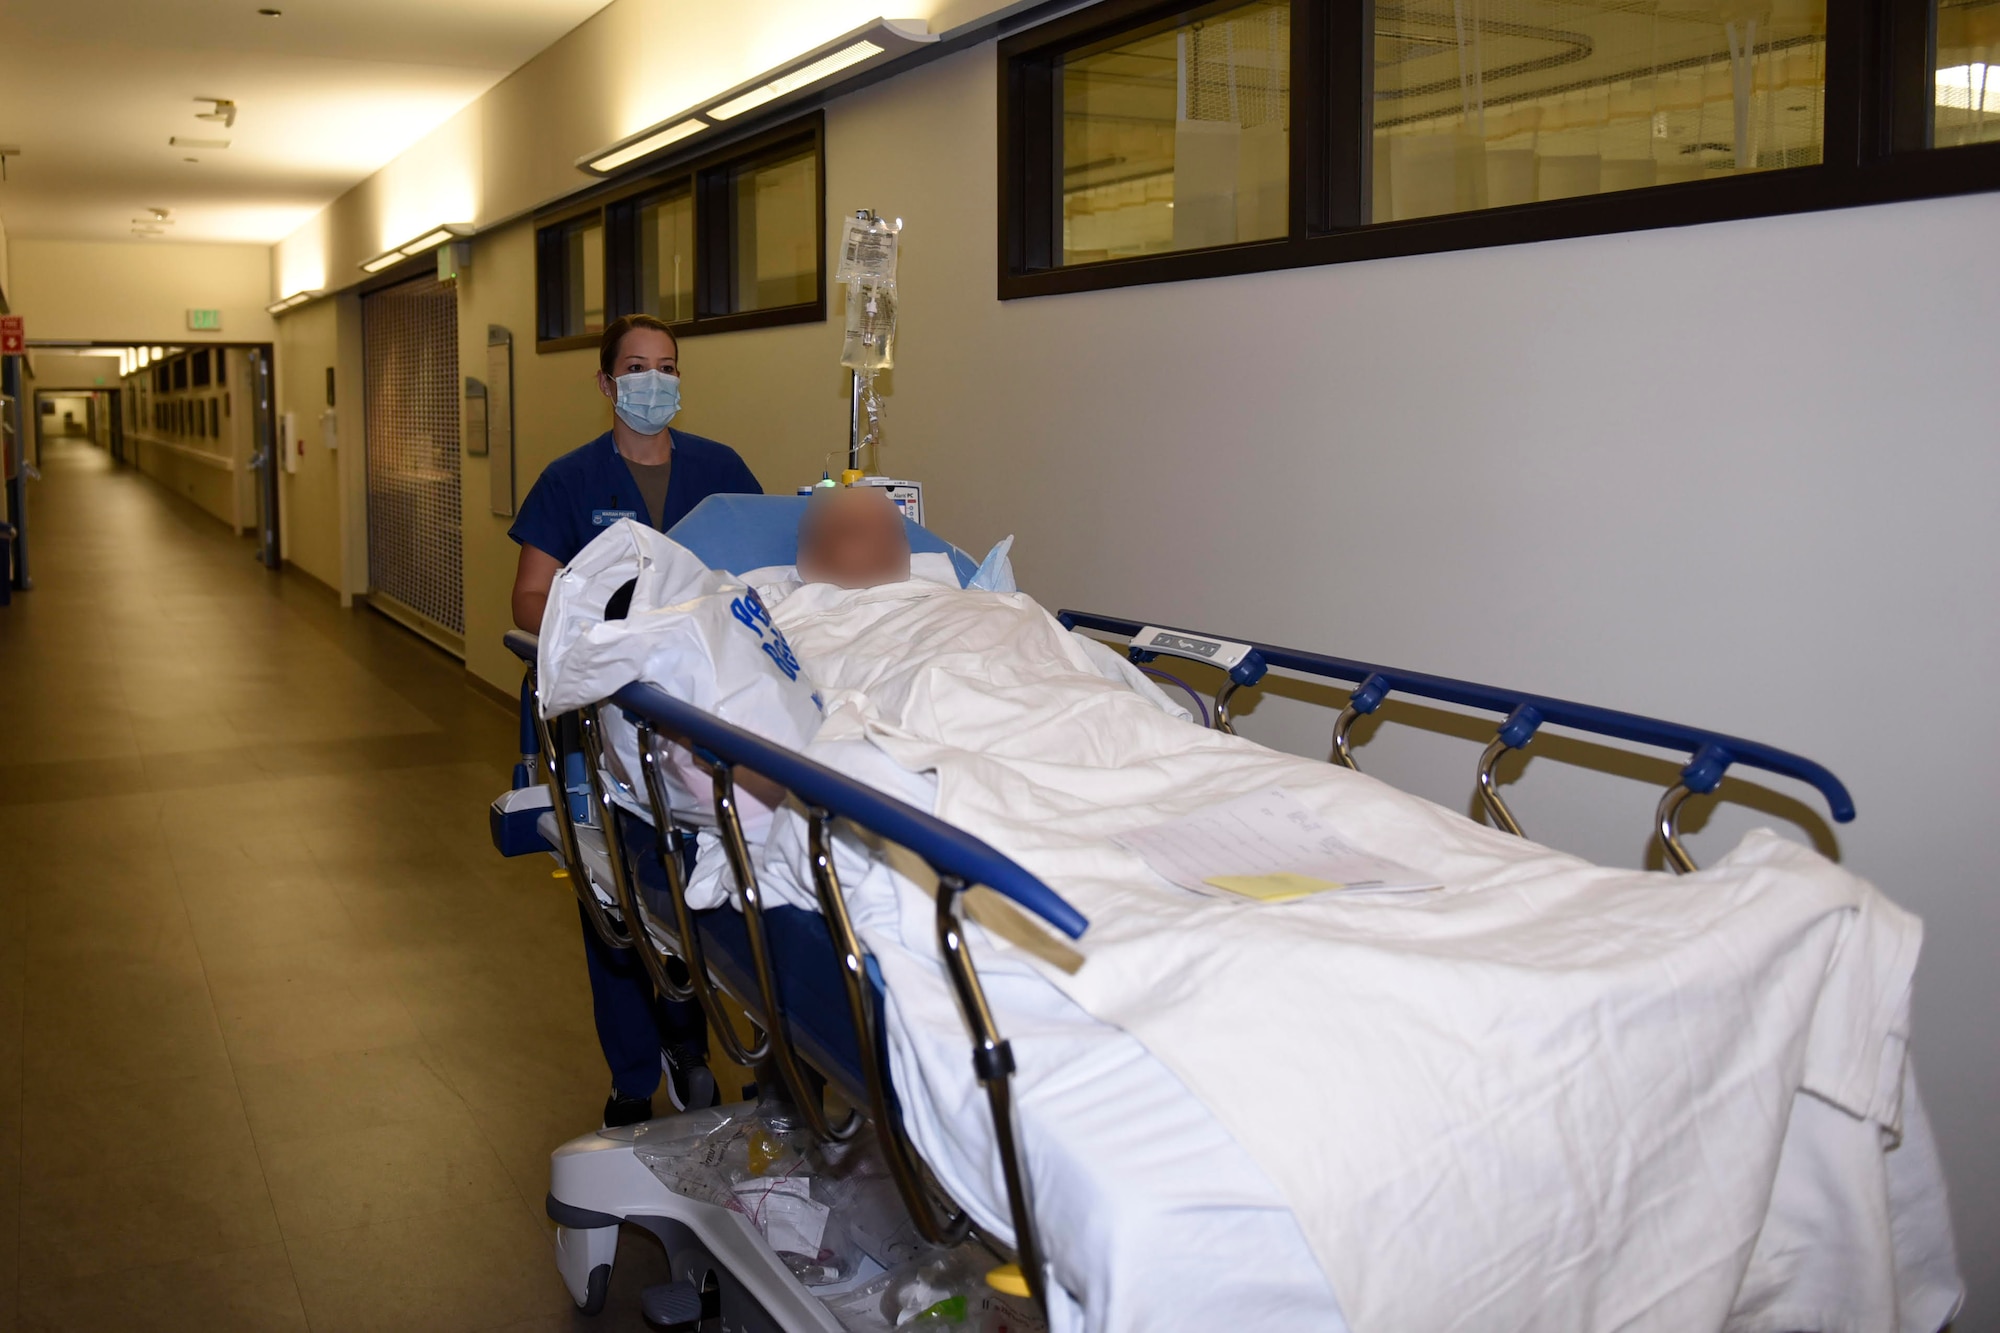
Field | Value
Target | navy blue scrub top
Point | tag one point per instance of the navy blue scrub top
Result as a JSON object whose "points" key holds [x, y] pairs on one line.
{"points": [[588, 489]]}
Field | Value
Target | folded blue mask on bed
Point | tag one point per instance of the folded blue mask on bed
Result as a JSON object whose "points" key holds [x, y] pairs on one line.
{"points": [[996, 571]]}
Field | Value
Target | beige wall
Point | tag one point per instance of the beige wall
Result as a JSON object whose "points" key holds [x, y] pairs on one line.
{"points": [[323, 506], [139, 292], [310, 498], [1739, 475], [557, 407], [628, 66], [211, 471], [65, 370]]}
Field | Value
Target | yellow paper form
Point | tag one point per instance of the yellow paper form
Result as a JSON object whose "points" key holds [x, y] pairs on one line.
{"points": [[1281, 887]]}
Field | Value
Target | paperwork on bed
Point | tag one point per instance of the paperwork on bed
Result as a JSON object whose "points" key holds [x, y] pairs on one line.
{"points": [[1268, 845], [1546, 1095]]}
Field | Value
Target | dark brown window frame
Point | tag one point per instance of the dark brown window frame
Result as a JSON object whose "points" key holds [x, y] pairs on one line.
{"points": [[706, 175], [1878, 96]]}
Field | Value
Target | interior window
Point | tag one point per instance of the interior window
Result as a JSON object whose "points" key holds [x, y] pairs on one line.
{"points": [[1967, 104], [1178, 138], [1485, 103], [776, 226], [666, 256]]}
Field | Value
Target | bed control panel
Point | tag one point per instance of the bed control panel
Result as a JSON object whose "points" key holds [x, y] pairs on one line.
{"points": [[1216, 652]]}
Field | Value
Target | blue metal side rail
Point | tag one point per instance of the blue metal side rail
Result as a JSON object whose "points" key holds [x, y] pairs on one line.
{"points": [[959, 860], [1711, 754]]}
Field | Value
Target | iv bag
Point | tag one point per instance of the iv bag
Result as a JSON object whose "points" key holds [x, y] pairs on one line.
{"points": [[868, 267], [870, 343], [868, 250]]}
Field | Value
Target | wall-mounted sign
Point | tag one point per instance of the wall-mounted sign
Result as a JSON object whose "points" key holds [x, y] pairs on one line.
{"points": [[13, 335], [205, 321], [475, 418], [500, 419]]}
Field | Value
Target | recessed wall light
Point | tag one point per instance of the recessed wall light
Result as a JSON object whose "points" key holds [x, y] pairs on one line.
{"points": [[272, 13], [817, 70], [823, 68]]}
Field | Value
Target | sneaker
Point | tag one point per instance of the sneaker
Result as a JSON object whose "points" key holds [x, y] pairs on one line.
{"points": [[689, 1083], [620, 1111]]}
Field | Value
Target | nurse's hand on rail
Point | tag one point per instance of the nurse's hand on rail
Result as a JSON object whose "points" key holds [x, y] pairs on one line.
{"points": [[533, 578]]}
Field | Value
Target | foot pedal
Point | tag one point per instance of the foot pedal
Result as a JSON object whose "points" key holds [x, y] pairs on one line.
{"points": [[676, 1305]]}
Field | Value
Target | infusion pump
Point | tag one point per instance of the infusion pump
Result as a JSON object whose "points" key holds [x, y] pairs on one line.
{"points": [[908, 495]]}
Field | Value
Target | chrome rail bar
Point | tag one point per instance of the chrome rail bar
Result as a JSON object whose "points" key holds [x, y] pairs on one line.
{"points": [[624, 889], [777, 1032], [1489, 788], [1667, 817], [572, 855], [904, 1165], [1711, 753], [667, 850], [993, 1063]]}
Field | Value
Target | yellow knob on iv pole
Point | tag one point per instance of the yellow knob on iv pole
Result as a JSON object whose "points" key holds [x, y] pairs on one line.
{"points": [[848, 476]]}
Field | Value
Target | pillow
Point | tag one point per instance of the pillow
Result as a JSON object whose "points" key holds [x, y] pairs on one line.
{"points": [[777, 581]]}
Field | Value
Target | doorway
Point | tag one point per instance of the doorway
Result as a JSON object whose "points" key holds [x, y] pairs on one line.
{"points": [[409, 353]]}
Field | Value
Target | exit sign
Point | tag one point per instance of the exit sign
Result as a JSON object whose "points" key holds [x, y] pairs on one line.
{"points": [[208, 321]]}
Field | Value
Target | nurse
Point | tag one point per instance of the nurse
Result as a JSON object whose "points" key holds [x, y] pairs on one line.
{"points": [[641, 469]]}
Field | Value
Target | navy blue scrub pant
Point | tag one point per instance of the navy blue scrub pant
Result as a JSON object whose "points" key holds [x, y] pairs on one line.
{"points": [[633, 1024]]}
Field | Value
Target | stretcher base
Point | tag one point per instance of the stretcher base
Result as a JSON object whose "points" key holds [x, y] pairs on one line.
{"points": [[597, 1183]]}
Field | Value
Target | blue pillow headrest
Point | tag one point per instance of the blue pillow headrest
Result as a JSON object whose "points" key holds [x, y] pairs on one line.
{"points": [[739, 533]]}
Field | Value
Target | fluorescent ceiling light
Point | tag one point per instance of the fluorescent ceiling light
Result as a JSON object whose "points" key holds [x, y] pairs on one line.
{"points": [[280, 306], [649, 143], [1974, 87], [815, 70], [431, 239], [797, 79]]}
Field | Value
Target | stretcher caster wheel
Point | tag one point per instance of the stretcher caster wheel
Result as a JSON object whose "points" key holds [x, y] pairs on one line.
{"points": [[583, 1257], [599, 1287]]}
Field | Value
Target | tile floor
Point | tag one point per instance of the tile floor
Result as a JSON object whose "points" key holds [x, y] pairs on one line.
{"points": [[283, 1043]]}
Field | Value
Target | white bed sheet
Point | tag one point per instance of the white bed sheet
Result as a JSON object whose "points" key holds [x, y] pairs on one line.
{"points": [[1828, 961]]}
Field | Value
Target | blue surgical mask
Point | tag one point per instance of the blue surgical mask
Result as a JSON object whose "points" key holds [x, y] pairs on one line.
{"points": [[648, 399]]}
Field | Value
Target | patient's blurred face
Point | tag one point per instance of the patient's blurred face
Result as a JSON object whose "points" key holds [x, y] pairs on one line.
{"points": [[853, 538]]}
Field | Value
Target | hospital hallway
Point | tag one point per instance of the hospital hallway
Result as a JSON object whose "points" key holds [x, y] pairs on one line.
{"points": [[284, 1043]]}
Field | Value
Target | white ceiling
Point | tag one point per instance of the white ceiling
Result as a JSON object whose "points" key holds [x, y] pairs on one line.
{"points": [[91, 91]]}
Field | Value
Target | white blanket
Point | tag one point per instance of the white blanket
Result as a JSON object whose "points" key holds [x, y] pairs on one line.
{"points": [[1551, 1095]]}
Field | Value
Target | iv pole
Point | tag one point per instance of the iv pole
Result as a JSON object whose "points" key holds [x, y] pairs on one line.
{"points": [[854, 389]]}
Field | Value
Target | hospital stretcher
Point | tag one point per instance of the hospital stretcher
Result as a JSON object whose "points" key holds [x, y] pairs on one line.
{"points": [[813, 995]]}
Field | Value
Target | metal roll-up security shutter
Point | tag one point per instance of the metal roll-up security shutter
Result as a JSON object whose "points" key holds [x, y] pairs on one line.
{"points": [[409, 338]]}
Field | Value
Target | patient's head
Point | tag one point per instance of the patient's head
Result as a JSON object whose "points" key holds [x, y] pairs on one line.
{"points": [[853, 538]]}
